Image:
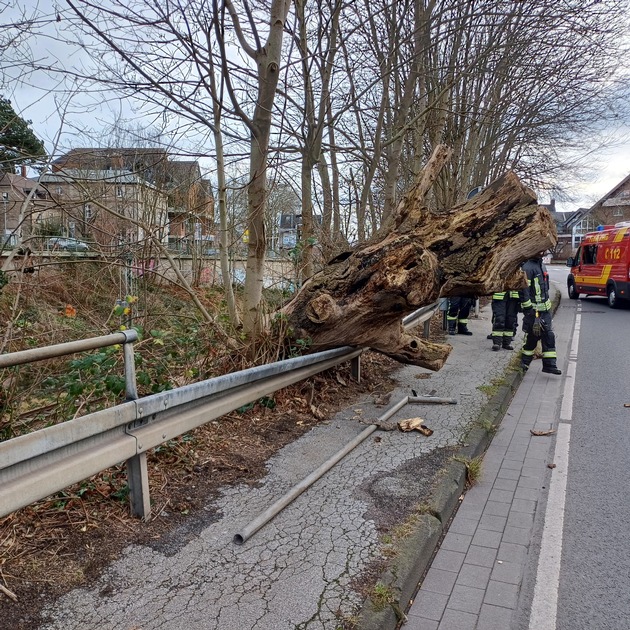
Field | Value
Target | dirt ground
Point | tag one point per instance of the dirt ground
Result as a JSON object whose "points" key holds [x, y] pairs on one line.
{"points": [[64, 541]]}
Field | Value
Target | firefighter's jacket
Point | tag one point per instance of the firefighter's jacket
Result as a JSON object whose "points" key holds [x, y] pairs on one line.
{"points": [[536, 294], [505, 295]]}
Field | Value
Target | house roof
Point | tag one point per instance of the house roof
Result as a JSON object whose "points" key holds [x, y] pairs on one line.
{"points": [[96, 156], [152, 164], [181, 171], [19, 183], [580, 213], [563, 219], [113, 176]]}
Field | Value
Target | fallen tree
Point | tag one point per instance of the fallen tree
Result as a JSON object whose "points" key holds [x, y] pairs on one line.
{"points": [[475, 248]]}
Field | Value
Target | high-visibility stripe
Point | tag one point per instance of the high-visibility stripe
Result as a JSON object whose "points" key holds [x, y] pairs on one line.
{"points": [[528, 353], [543, 306], [600, 280], [551, 354], [537, 290]]}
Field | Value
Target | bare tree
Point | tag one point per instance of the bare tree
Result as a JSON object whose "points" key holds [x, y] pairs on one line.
{"points": [[267, 57]]}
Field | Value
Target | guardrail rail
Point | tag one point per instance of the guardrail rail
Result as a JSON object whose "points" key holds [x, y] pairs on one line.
{"points": [[38, 464]]}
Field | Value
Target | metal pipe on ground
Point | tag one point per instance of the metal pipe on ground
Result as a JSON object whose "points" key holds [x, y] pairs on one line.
{"points": [[432, 399], [249, 530]]}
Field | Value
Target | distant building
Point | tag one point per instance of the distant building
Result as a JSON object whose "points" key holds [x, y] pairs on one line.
{"points": [[612, 208], [110, 207], [170, 194], [22, 204], [571, 227]]}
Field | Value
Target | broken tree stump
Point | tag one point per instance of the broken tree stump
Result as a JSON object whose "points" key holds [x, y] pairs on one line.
{"points": [[475, 248]]}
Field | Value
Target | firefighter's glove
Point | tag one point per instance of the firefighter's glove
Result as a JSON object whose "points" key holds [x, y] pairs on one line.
{"points": [[537, 326], [529, 318]]}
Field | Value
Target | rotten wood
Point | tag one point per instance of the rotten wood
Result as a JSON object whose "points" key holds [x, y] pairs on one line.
{"points": [[475, 248], [415, 424]]}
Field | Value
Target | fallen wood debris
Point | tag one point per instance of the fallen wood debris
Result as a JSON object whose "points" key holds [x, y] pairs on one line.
{"points": [[415, 424]]}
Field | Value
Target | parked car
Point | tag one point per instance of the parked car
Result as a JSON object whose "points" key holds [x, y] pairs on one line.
{"points": [[66, 244]]}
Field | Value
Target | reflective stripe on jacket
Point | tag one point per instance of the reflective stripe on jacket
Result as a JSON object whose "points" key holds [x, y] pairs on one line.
{"points": [[536, 294]]}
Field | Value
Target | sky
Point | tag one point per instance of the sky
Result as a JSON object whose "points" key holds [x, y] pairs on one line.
{"points": [[87, 112], [609, 165]]}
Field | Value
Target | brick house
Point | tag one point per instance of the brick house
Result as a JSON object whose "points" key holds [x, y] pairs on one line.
{"points": [[22, 205], [142, 183], [106, 206]]}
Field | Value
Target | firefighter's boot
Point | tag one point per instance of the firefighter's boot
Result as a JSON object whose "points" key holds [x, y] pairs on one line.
{"points": [[452, 328], [551, 369], [462, 329], [496, 343], [507, 344]]}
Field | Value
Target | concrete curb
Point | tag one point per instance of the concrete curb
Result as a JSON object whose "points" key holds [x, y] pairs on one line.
{"points": [[415, 552]]}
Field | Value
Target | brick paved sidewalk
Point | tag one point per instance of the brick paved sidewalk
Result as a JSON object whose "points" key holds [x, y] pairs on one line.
{"points": [[474, 580]]}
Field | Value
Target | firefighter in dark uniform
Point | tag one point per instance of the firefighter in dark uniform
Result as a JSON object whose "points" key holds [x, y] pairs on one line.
{"points": [[457, 315], [536, 306], [505, 305]]}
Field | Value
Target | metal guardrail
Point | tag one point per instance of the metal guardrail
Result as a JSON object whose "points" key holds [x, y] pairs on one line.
{"points": [[38, 464], [422, 316]]}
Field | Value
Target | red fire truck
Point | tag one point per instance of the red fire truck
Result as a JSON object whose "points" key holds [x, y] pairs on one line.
{"points": [[601, 265]]}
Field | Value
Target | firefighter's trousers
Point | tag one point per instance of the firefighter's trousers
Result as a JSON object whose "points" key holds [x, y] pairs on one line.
{"points": [[504, 315], [547, 340], [458, 312]]}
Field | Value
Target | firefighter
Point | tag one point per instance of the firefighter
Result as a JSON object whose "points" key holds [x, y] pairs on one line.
{"points": [[536, 306], [457, 315], [505, 305]]}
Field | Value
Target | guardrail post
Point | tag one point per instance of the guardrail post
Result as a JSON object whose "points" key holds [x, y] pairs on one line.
{"points": [[138, 481], [137, 470], [355, 368], [426, 330], [444, 309]]}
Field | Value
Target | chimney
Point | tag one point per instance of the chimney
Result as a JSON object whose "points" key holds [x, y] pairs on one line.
{"points": [[23, 170]]}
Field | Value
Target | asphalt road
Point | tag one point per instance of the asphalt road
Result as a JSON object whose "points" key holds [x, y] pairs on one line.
{"points": [[593, 585]]}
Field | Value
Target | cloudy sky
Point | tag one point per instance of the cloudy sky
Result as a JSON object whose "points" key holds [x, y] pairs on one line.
{"points": [[90, 115]]}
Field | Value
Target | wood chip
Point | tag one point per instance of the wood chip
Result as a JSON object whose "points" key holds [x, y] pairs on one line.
{"points": [[8, 593]]}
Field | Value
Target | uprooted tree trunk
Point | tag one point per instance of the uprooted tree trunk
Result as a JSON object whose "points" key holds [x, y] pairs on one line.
{"points": [[475, 248]]}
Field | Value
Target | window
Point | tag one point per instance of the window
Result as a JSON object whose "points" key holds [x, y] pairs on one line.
{"points": [[5, 196], [87, 211], [59, 190], [590, 254], [119, 191], [617, 212]]}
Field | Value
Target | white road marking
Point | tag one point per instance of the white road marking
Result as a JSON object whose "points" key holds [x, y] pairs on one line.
{"points": [[566, 410], [545, 602]]}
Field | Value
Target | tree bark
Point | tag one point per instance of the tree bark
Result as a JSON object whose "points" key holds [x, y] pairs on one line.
{"points": [[475, 248]]}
